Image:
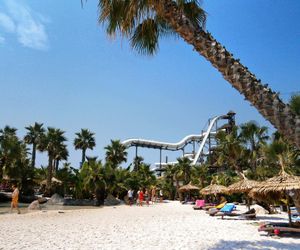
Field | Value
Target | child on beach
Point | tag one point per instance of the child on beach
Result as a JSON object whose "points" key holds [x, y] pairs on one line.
{"points": [[14, 199]]}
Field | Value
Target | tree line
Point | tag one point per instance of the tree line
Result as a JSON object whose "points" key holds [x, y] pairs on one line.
{"points": [[247, 151]]}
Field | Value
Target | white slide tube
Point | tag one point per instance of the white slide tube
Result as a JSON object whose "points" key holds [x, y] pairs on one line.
{"points": [[163, 145], [179, 145], [213, 121]]}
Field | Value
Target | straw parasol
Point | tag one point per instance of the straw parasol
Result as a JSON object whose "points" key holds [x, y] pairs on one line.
{"points": [[276, 187], [214, 189], [281, 183], [188, 187], [242, 186], [53, 179]]}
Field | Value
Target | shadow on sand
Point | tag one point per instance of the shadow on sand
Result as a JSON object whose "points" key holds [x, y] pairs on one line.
{"points": [[250, 245], [273, 218]]}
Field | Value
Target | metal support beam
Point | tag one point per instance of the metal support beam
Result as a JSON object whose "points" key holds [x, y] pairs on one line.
{"points": [[160, 156]]}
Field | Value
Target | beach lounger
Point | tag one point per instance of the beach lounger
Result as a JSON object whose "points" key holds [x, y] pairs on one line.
{"points": [[209, 207], [212, 211], [249, 215], [199, 204], [278, 228], [226, 209]]}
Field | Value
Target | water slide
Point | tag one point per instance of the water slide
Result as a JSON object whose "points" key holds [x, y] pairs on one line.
{"points": [[163, 145], [201, 138]]}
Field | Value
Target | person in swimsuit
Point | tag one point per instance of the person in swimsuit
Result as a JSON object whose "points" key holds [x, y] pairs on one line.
{"points": [[141, 197], [153, 195], [147, 197], [130, 196], [15, 199]]}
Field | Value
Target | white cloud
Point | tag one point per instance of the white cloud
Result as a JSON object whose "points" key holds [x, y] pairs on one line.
{"points": [[26, 24], [7, 23]]}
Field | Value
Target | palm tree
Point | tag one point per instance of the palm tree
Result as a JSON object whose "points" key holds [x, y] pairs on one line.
{"points": [[34, 136], [52, 143], [230, 151], [137, 161], [61, 153], [13, 152], [146, 175], [171, 181], [92, 176], [280, 154], [184, 165], [115, 153], [254, 137], [144, 22], [8, 143], [84, 140]]}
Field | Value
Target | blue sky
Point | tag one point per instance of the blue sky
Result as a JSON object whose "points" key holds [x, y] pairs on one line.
{"points": [[57, 66]]}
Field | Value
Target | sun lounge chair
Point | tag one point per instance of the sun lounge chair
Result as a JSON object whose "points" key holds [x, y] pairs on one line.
{"points": [[208, 207], [249, 215], [227, 208], [213, 210], [278, 228], [199, 204]]}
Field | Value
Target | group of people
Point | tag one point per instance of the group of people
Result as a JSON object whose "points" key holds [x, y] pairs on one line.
{"points": [[144, 195]]}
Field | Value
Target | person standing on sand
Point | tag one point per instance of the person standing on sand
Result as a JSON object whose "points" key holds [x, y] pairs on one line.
{"points": [[153, 195], [15, 199], [130, 196], [147, 197], [161, 195], [137, 198], [141, 197]]}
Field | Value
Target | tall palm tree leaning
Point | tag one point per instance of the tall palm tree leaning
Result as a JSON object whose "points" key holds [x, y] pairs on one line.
{"points": [[144, 22], [85, 140], [34, 136]]}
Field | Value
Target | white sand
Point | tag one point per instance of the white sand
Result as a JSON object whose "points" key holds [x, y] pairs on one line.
{"points": [[159, 226]]}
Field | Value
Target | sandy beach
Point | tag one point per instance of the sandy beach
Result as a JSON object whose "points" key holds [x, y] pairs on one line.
{"points": [[159, 226]]}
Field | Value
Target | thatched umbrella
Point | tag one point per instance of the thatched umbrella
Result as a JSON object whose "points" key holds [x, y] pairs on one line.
{"points": [[243, 186], [214, 189], [188, 187], [280, 185]]}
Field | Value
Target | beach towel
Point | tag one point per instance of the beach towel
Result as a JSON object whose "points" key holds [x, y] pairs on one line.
{"points": [[228, 208], [221, 205], [200, 203]]}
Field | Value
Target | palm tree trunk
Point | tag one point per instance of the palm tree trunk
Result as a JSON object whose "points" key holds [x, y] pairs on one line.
{"points": [[83, 157], [49, 176], [267, 102], [56, 165], [33, 155]]}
